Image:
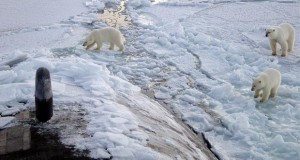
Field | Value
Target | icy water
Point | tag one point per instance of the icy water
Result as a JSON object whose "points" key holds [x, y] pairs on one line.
{"points": [[116, 17]]}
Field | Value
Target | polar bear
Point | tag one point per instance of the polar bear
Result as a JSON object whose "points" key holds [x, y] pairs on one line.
{"points": [[109, 34], [267, 82], [284, 34]]}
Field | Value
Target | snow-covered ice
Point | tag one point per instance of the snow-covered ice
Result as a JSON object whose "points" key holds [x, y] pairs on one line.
{"points": [[5, 121], [208, 54], [198, 57]]}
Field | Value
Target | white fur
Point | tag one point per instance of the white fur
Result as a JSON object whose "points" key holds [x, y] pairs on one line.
{"points": [[284, 34], [267, 82], [109, 34]]}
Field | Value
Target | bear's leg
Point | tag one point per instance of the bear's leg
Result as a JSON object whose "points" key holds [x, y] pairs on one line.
{"points": [[89, 46], [111, 47], [99, 45], [256, 93], [273, 92], [273, 47], [120, 45], [283, 48], [121, 48], [265, 95], [291, 42]]}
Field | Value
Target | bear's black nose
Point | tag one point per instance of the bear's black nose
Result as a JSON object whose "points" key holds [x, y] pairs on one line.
{"points": [[84, 44], [267, 34]]}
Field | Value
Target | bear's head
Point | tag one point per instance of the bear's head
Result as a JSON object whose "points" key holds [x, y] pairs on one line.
{"points": [[89, 40], [271, 32], [257, 84]]}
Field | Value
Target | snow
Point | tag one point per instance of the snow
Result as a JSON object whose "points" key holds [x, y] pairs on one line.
{"points": [[138, 3], [198, 57], [16, 16], [216, 50], [4, 121]]}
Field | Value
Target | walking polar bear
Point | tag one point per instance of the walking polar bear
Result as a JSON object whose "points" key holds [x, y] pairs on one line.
{"points": [[267, 82], [284, 34], [109, 34]]}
